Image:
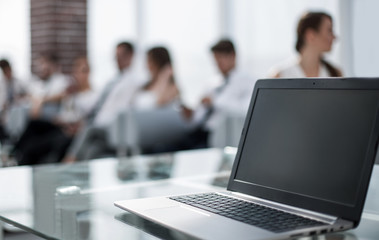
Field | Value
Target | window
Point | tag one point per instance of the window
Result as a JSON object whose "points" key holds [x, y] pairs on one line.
{"points": [[105, 30], [15, 35]]}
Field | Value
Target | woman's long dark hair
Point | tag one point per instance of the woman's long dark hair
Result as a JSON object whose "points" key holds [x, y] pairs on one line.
{"points": [[161, 57], [312, 20]]}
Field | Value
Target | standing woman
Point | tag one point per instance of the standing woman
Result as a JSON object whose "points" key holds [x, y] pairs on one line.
{"points": [[314, 38]]}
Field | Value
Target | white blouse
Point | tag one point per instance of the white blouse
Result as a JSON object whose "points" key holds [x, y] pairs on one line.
{"points": [[77, 106], [144, 100], [294, 70]]}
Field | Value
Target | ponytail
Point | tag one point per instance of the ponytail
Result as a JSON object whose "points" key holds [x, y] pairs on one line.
{"points": [[333, 72]]}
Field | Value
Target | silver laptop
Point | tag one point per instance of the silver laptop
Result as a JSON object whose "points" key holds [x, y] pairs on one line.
{"points": [[302, 168]]}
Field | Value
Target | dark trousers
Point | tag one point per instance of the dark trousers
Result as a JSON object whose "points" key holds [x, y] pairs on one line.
{"points": [[3, 135], [41, 142]]}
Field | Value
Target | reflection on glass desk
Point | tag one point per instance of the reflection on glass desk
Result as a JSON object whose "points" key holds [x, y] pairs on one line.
{"points": [[76, 201]]}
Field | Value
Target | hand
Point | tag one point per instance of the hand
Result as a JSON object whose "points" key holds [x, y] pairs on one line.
{"points": [[73, 128], [165, 87], [71, 89], [69, 159], [187, 112], [166, 72], [36, 107], [207, 101]]}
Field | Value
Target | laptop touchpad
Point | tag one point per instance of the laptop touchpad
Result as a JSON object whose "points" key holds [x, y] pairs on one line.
{"points": [[191, 220]]}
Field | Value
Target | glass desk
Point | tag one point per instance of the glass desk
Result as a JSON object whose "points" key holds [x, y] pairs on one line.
{"points": [[76, 201]]}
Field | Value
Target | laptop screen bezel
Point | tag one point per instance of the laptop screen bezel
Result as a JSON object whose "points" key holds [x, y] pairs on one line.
{"points": [[348, 212]]}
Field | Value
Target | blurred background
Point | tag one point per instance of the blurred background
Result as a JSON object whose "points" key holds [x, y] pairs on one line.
{"points": [[263, 32]]}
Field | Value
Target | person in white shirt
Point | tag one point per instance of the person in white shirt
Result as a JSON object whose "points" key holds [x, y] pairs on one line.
{"points": [[46, 141], [161, 89], [120, 89], [115, 98], [314, 38], [79, 98], [231, 96], [12, 89], [11, 92], [48, 89]]}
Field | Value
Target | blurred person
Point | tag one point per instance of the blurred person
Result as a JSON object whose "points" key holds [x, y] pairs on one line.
{"points": [[230, 97], [161, 89], [79, 97], [11, 91], [159, 93], [114, 99], [46, 141], [12, 88], [315, 37], [117, 94], [48, 89]]}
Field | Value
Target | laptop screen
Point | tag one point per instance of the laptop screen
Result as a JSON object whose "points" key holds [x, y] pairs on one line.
{"points": [[309, 142]]}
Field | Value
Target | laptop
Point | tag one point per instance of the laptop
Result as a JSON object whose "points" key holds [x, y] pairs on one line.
{"points": [[302, 167]]}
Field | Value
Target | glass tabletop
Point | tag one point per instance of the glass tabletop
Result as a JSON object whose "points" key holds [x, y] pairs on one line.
{"points": [[76, 201]]}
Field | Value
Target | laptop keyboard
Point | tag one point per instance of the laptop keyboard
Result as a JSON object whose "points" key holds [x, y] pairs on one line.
{"points": [[254, 214]]}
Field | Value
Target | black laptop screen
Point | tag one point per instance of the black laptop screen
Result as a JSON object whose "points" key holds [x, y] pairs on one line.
{"points": [[309, 141]]}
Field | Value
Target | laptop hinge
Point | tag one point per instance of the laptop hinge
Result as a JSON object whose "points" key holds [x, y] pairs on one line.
{"points": [[287, 208]]}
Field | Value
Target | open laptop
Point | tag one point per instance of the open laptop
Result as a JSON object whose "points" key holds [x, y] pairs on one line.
{"points": [[302, 168]]}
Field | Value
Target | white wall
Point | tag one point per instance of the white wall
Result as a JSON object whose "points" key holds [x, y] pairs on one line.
{"points": [[365, 36], [15, 35], [263, 30], [109, 22]]}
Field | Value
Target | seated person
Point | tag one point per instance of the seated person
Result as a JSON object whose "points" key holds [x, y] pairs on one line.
{"points": [[46, 141], [11, 92], [117, 94], [48, 89], [160, 90], [231, 96], [314, 38]]}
